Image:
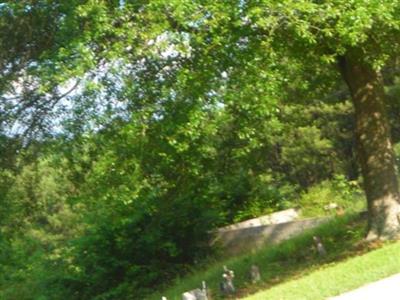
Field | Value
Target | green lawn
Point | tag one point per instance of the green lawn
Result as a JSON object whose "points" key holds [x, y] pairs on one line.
{"points": [[338, 278], [293, 270]]}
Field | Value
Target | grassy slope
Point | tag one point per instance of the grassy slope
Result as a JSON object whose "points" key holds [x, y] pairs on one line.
{"points": [[292, 259], [338, 278]]}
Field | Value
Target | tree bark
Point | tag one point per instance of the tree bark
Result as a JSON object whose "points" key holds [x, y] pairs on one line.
{"points": [[374, 147]]}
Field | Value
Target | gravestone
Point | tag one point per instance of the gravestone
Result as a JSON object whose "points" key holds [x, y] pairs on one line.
{"points": [[320, 247], [255, 274], [226, 286], [196, 294]]}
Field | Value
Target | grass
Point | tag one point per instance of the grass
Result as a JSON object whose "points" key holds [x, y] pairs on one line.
{"points": [[283, 264], [342, 277]]}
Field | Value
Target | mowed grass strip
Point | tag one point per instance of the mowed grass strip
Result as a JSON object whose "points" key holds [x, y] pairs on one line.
{"points": [[339, 278]]}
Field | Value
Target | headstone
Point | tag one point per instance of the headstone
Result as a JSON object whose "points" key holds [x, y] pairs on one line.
{"points": [[196, 294], [189, 295], [255, 274], [202, 294], [320, 247], [227, 287]]}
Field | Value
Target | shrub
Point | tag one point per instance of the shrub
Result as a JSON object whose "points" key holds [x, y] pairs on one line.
{"points": [[346, 194]]}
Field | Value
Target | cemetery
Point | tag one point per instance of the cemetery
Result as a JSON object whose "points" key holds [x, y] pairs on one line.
{"points": [[253, 270]]}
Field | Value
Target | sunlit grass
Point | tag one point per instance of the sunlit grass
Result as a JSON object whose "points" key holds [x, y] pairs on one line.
{"points": [[338, 278]]}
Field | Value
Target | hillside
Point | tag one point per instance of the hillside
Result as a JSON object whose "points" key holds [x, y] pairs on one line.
{"points": [[296, 263]]}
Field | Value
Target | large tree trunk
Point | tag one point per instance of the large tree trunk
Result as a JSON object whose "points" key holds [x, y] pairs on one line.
{"points": [[374, 147]]}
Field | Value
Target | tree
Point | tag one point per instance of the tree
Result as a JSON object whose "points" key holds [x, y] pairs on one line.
{"points": [[191, 47], [46, 51], [354, 37], [359, 37], [198, 111], [375, 150]]}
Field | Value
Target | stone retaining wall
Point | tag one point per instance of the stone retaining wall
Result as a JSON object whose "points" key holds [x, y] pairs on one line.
{"points": [[282, 216], [236, 241]]}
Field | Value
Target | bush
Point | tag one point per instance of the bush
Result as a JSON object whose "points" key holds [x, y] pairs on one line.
{"points": [[346, 194]]}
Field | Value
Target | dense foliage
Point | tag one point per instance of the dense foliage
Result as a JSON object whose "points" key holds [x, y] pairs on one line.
{"points": [[131, 129]]}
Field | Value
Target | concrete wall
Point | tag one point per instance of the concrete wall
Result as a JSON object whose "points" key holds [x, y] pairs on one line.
{"points": [[238, 240]]}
